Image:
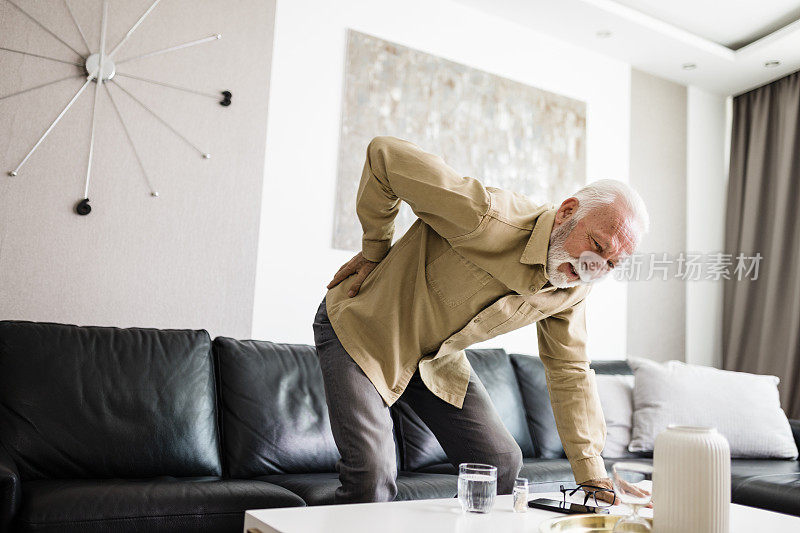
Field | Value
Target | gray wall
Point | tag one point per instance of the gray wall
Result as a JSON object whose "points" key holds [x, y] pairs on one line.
{"points": [[184, 260], [657, 308]]}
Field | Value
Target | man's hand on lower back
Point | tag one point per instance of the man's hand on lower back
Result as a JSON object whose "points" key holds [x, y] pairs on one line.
{"points": [[609, 496], [359, 266]]}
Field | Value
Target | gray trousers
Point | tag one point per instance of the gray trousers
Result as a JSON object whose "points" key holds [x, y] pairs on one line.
{"points": [[362, 425]]}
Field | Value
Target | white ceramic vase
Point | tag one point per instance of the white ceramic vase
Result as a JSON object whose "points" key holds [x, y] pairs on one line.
{"points": [[691, 481]]}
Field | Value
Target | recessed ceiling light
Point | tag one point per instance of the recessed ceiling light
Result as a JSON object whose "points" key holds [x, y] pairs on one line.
{"points": [[603, 34], [772, 64], [689, 66]]}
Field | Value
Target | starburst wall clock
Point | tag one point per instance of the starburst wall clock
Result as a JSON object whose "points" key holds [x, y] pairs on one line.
{"points": [[100, 68]]}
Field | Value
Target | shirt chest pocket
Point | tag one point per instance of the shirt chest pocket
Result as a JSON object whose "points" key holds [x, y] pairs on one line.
{"points": [[520, 315], [455, 279]]}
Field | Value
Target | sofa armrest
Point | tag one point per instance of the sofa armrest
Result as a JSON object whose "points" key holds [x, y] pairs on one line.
{"points": [[795, 425], [10, 490]]}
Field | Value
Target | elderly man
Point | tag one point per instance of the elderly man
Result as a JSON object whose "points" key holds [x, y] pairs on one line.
{"points": [[478, 262]]}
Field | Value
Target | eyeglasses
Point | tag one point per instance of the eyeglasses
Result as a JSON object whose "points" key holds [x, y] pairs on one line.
{"points": [[590, 491]]}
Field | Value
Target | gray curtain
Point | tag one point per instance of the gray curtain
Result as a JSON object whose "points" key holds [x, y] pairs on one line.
{"points": [[761, 318]]}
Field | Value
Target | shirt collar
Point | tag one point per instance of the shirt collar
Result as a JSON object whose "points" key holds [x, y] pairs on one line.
{"points": [[536, 249]]}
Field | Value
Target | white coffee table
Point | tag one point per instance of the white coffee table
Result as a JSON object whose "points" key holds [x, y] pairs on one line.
{"points": [[445, 516]]}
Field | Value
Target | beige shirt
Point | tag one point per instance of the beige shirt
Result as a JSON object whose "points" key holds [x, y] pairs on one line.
{"points": [[471, 267]]}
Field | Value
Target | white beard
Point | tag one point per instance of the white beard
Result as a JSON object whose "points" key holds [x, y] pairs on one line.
{"points": [[557, 255]]}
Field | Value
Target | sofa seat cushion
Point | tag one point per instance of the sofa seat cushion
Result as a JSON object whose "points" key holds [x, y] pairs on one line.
{"points": [[318, 489], [743, 469], [772, 484], [775, 492], [545, 475], [147, 505], [440, 468]]}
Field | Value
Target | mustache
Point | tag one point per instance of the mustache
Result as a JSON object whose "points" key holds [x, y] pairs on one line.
{"points": [[557, 255]]}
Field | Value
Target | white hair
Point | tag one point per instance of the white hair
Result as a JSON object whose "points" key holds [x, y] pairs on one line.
{"points": [[605, 192]]}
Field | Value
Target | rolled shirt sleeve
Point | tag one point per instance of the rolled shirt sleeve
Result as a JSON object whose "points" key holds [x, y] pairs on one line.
{"points": [[453, 205], [573, 392]]}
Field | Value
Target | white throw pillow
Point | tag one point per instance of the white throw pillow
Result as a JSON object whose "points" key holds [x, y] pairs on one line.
{"points": [[745, 408], [616, 398]]}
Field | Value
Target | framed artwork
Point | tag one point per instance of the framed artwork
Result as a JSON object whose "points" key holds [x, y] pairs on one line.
{"points": [[505, 133]]}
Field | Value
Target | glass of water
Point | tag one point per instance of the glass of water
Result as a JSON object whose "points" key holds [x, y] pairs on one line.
{"points": [[477, 486], [633, 485]]}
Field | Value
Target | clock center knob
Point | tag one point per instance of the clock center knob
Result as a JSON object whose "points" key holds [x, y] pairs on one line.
{"points": [[93, 62]]}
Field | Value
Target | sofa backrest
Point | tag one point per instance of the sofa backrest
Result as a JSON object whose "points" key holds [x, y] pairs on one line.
{"points": [[495, 371], [539, 412], [99, 402], [493, 367], [274, 417]]}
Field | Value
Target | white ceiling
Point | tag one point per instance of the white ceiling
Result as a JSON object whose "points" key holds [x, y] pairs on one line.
{"points": [[734, 23], [729, 42]]}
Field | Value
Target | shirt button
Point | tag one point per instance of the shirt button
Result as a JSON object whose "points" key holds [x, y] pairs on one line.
{"points": [[477, 319], [532, 288], [448, 342]]}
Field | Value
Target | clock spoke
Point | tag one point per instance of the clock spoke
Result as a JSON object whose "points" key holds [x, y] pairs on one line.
{"points": [[155, 82], [205, 155], [78, 26], [39, 86], [130, 140], [40, 56], [214, 37], [133, 28], [50, 128], [62, 41], [98, 78]]}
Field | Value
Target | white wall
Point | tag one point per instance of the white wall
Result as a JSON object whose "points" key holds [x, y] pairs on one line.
{"points": [[657, 307], [706, 179], [295, 258]]}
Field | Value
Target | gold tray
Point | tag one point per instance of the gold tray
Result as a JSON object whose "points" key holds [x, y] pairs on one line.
{"points": [[582, 523]]}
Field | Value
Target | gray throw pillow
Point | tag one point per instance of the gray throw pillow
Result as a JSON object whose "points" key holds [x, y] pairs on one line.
{"points": [[745, 408], [616, 398]]}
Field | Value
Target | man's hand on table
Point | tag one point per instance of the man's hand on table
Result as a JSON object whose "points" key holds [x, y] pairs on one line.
{"points": [[357, 265], [608, 496]]}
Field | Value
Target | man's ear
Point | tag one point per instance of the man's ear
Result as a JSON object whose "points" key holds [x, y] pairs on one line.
{"points": [[567, 209]]}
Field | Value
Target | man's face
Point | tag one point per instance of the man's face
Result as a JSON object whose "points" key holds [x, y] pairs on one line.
{"points": [[585, 250]]}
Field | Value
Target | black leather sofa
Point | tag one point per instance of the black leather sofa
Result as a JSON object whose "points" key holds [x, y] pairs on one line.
{"points": [[141, 429]]}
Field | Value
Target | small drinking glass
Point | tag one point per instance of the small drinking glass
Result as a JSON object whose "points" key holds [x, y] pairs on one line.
{"points": [[477, 487], [520, 495], [633, 485]]}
